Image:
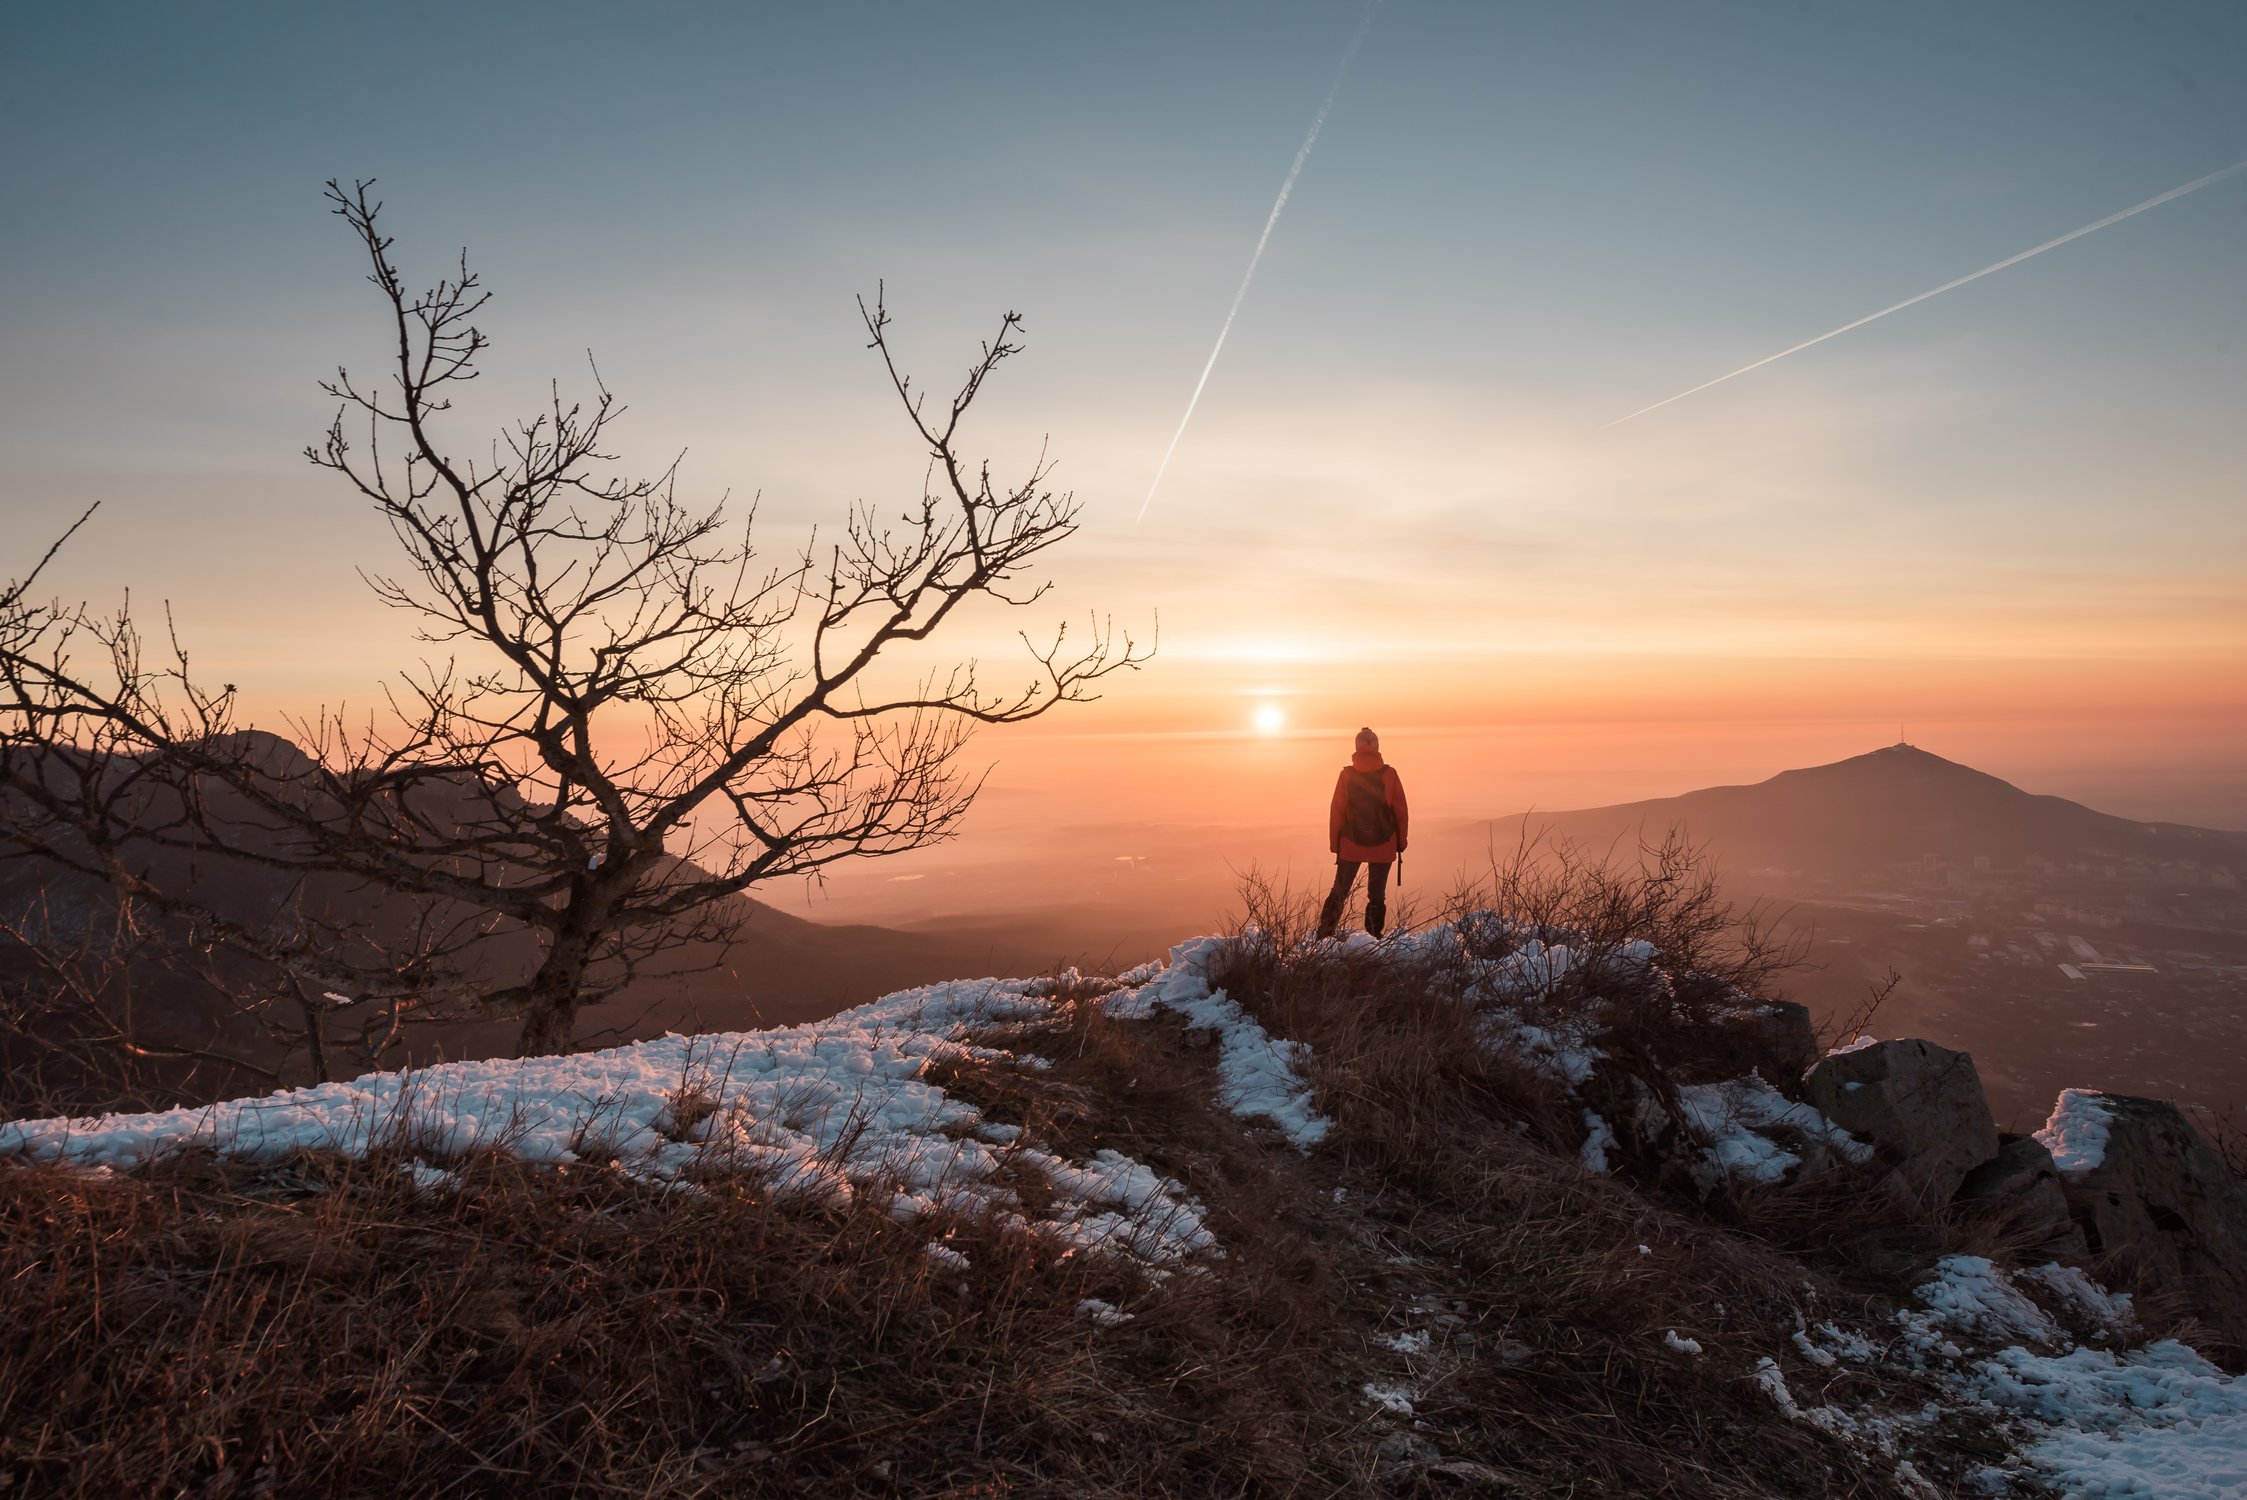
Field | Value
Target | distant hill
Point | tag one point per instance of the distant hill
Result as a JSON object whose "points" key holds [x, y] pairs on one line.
{"points": [[781, 969], [1891, 806]]}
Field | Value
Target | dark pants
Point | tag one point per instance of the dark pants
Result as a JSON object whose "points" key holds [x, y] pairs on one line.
{"points": [[1376, 897]]}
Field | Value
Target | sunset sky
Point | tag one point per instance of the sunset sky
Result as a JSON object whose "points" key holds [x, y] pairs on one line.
{"points": [[2009, 519]]}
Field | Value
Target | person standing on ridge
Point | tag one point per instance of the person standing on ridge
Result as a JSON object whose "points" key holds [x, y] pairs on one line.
{"points": [[1367, 825]]}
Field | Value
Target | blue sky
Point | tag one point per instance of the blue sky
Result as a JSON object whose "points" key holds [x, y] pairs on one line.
{"points": [[1520, 223]]}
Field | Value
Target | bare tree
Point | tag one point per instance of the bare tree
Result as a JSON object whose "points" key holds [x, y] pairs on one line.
{"points": [[637, 715]]}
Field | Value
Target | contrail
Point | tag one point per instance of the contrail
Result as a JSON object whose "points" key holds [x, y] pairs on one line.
{"points": [[1365, 24], [2193, 186]]}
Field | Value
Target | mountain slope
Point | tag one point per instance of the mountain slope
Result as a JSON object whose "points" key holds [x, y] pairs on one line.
{"points": [[779, 969], [1271, 1218], [1890, 806]]}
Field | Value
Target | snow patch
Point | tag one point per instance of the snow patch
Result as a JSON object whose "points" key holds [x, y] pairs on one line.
{"points": [[2158, 1421], [1395, 1400], [1561, 1050], [2112, 1313], [2076, 1134], [429, 1179], [1970, 1295], [1599, 1140], [1103, 1314], [829, 1111], [1259, 1075]]}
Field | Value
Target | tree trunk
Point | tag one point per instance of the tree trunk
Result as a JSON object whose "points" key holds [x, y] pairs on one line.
{"points": [[547, 1024], [554, 993], [315, 1034]]}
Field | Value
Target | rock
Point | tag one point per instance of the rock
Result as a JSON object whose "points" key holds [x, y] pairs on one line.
{"points": [[2021, 1189], [2159, 1207], [1920, 1105], [1402, 1447], [1778, 1038]]}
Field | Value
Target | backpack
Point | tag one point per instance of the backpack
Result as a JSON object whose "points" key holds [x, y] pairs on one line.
{"points": [[1367, 818]]}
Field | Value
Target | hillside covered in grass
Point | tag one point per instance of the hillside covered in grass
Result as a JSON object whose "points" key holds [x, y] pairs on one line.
{"points": [[1498, 1207]]}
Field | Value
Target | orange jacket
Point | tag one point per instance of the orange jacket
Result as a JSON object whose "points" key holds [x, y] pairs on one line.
{"points": [[1370, 854]]}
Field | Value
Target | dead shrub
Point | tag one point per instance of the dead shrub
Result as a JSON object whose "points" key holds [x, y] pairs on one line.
{"points": [[1545, 1292]]}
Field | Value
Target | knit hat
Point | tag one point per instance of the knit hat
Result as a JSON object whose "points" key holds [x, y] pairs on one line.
{"points": [[1368, 740]]}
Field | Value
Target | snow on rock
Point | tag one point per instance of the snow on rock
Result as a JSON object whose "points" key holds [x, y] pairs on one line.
{"points": [[1731, 1120], [1259, 1075], [2076, 1134], [828, 1110], [1920, 1105]]}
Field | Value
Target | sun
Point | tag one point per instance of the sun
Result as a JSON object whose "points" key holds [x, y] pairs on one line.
{"points": [[1270, 718]]}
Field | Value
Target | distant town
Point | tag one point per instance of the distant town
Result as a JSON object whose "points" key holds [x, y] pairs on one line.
{"points": [[2106, 969]]}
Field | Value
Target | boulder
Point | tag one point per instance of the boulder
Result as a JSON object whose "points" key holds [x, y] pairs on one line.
{"points": [[2159, 1207], [2020, 1188], [1778, 1038], [1921, 1106]]}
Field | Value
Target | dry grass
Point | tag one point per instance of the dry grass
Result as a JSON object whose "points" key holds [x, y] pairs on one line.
{"points": [[324, 1327], [1546, 1290], [327, 1329]]}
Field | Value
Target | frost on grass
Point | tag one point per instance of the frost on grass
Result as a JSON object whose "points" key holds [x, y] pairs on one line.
{"points": [[832, 1111], [1259, 1076]]}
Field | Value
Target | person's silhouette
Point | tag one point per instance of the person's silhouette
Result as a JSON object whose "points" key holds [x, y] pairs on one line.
{"points": [[1366, 825]]}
